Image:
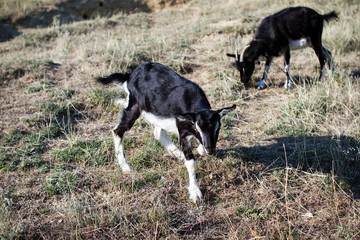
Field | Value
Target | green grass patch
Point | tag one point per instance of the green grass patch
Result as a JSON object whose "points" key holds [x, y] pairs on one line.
{"points": [[249, 211], [148, 155], [22, 150], [91, 153], [106, 98], [60, 183], [146, 180]]}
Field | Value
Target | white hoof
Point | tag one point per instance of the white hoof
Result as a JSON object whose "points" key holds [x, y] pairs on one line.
{"points": [[195, 194], [289, 85], [260, 85], [126, 168]]}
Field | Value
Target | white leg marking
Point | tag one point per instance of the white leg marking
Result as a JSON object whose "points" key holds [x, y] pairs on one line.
{"points": [[194, 190], [200, 149], [161, 135], [119, 152], [286, 68], [322, 71], [289, 83], [329, 58], [267, 67], [203, 150], [261, 84]]}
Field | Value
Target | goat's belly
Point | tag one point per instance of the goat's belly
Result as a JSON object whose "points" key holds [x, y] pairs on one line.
{"points": [[300, 43], [168, 124]]}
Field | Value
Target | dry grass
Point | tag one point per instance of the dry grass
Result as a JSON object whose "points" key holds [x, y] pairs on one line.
{"points": [[288, 165], [17, 8]]}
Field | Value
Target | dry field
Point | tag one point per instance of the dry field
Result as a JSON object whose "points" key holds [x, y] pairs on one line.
{"points": [[288, 161]]}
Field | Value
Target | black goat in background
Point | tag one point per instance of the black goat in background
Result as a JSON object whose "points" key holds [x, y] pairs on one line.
{"points": [[291, 28]]}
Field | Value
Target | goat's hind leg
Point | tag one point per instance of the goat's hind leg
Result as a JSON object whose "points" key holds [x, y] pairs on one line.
{"points": [[320, 53], [161, 135], [328, 56], [126, 121], [289, 82]]}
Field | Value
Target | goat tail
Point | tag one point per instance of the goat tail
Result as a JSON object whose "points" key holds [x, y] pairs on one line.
{"points": [[330, 16], [115, 77]]}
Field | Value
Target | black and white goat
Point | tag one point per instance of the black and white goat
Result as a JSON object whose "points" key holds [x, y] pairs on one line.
{"points": [[291, 28], [170, 103]]}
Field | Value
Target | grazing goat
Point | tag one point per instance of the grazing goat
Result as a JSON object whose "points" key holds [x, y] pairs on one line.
{"points": [[170, 103], [291, 28]]}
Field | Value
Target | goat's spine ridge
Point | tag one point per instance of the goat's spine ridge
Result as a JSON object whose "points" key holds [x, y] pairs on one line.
{"points": [[115, 77]]}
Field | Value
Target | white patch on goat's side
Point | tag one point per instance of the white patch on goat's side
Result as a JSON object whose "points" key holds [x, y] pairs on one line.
{"points": [[194, 190], [300, 43], [168, 124], [119, 151]]}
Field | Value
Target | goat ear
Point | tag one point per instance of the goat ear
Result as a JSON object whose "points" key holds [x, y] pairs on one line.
{"points": [[222, 112], [187, 117], [233, 55]]}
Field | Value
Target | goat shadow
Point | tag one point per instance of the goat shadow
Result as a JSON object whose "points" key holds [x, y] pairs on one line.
{"points": [[355, 74], [308, 153], [8, 32], [300, 80], [70, 11], [67, 12], [297, 79]]}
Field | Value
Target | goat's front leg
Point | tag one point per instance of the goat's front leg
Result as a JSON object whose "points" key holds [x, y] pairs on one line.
{"points": [[262, 84], [190, 164], [289, 83]]}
